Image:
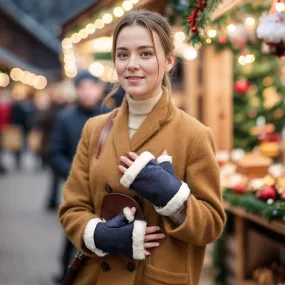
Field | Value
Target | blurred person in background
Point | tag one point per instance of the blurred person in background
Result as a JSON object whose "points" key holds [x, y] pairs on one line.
{"points": [[66, 134], [5, 119], [49, 103], [22, 115]]}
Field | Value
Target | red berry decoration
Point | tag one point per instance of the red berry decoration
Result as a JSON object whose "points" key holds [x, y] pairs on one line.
{"points": [[240, 188], [266, 193], [192, 17], [241, 86]]}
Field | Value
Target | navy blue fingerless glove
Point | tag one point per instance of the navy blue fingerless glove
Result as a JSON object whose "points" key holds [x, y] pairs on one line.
{"points": [[121, 235], [157, 183]]}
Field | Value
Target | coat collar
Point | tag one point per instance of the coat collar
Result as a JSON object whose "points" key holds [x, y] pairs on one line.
{"points": [[160, 115]]}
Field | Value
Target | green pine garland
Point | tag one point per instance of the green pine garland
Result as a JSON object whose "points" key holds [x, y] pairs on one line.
{"points": [[253, 205], [182, 11]]}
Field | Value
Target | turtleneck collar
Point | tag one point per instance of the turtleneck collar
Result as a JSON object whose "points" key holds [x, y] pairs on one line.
{"points": [[142, 107]]}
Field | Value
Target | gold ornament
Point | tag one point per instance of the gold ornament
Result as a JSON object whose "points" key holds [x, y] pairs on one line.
{"points": [[254, 102], [278, 114], [267, 81], [252, 90], [269, 149], [269, 180]]}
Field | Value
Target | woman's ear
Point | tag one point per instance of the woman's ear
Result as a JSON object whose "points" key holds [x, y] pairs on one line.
{"points": [[170, 61]]}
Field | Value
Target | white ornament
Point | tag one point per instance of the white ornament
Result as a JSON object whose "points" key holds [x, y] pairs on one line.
{"points": [[272, 28]]}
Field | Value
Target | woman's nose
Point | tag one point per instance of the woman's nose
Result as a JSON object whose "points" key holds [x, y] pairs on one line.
{"points": [[133, 64]]}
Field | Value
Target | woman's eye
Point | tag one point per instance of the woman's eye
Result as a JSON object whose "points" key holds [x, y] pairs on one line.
{"points": [[122, 55], [146, 54]]}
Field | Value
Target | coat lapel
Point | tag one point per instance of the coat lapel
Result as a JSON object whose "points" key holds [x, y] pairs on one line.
{"points": [[160, 115], [121, 133]]}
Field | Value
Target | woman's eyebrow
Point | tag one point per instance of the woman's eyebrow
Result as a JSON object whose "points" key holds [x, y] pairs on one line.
{"points": [[140, 47]]}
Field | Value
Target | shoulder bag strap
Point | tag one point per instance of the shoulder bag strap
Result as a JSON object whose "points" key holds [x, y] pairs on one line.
{"points": [[105, 132]]}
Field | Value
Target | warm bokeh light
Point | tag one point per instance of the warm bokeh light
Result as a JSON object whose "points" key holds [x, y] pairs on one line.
{"points": [[107, 18], [231, 28], [118, 12], [97, 69], [190, 53], [83, 34], [212, 33], [16, 74], [127, 5], [90, 29], [75, 38], [40, 82], [179, 36], [99, 24], [67, 43]]}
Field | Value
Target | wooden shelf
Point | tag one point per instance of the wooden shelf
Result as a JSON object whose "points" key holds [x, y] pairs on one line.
{"points": [[277, 226]]}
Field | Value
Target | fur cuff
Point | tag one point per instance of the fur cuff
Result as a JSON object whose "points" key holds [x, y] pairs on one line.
{"points": [[133, 171], [128, 214], [164, 158], [88, 237], [176, 202], [138, 239]]}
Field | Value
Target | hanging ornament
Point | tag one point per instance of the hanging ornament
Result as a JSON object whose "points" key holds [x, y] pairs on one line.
{"points": [[241, 86], [266, 193], [272, 31], [239, 36], [222, 39]]}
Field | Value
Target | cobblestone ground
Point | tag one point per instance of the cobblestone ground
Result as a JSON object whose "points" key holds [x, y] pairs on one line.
{"points": [[30, 237]]}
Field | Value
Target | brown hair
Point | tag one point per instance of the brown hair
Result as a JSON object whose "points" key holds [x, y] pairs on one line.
{"points": [[153, 22]]}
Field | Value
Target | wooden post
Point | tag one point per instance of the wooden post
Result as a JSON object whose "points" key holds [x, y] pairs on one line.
{"points": [[208, 82], [217, 95], [192, 87]]}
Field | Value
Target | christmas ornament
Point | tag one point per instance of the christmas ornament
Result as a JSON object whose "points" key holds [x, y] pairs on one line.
{"points": [[266, 193], [241, 86], [240, 188], [280, 187], [255, 184], [271, 30], [239, 37]]}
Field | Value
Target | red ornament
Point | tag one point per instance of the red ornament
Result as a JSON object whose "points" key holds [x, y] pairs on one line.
{"points": [[266, 193], [222, 40], [241, 86], [240, 188], [275, 137]]}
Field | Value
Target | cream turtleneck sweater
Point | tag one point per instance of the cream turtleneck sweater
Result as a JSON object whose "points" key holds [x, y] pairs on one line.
{"points": [[138, 111]]}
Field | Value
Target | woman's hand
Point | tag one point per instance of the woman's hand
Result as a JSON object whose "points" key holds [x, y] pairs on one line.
{"points": [[128, 162], [151, 237]]}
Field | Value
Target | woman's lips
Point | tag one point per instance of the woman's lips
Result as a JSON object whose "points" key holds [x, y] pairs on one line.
{"points": [[134, 79]]}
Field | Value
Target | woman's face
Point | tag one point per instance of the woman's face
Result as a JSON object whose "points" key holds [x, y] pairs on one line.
{"points": [[136, 63]]}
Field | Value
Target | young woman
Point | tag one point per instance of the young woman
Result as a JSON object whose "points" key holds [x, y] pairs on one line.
{"points": [[154, 151]]}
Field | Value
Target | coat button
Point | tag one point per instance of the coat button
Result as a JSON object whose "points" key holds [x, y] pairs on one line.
{"points": [[108, 188], [105, 266], [131, 266]]}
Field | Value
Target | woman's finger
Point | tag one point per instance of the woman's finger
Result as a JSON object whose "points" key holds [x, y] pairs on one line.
{"points": [[126, 161], [154, 237], [133, 155], [122, 168], [153, 229], [151, 244], [147, 253], [133, 210]]}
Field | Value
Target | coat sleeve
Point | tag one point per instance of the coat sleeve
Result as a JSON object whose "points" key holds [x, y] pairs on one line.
{"points": [[77, 209], [57, 148], [205, 216]]}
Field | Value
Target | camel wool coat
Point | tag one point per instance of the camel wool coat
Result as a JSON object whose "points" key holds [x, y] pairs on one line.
{"points": [[179, 258]]}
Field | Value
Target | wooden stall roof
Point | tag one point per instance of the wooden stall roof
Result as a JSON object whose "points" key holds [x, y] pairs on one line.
{"points": [[24, 43], [100, 5]]}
